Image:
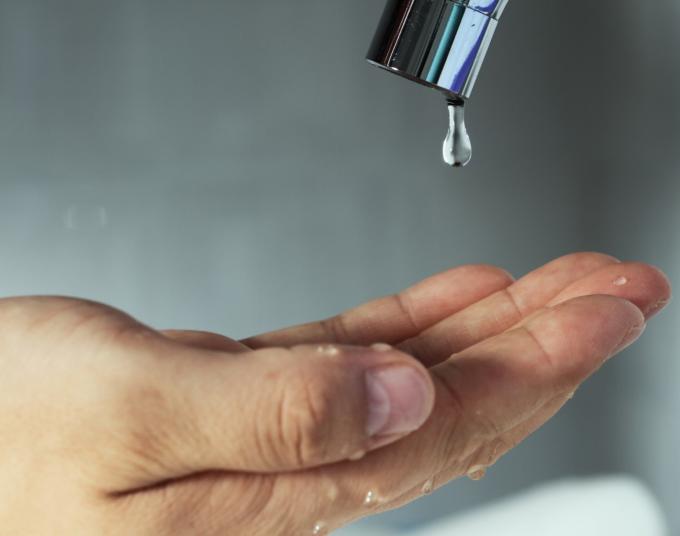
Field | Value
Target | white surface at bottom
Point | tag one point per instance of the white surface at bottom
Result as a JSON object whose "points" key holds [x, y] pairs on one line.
{"points": [[618, 506]]}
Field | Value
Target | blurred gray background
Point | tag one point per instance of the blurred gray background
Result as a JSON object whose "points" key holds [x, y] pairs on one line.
{"points": [[236, 166]]}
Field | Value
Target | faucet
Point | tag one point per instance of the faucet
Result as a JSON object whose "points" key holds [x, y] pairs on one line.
{"points": [[440, 44]]}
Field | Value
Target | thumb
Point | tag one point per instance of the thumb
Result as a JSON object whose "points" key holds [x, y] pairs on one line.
{"points": [[324, 404], [279, 410]]}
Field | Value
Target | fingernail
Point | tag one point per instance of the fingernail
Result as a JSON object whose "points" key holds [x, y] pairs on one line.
{"points": [[399, 400], [633, 335]]}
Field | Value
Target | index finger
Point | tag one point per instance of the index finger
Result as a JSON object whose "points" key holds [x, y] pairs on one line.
{"points": [[395, 318]]}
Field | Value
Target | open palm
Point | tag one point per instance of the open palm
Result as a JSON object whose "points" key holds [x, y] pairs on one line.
{"points": [[111, 427], [504, 356]]}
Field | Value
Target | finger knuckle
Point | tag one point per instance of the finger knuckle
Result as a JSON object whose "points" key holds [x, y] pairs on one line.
{"points": [[493, 273], [304, 419], [52, 322]]}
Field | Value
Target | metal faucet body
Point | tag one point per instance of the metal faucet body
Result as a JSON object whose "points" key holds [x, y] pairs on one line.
{"points": [[438, 43]]}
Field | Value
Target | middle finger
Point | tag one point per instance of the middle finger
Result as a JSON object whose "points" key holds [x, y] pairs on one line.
{"points": [[635, 282]]}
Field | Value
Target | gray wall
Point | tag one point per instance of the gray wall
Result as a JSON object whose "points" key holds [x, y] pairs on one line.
{"points": [[237, 167]]}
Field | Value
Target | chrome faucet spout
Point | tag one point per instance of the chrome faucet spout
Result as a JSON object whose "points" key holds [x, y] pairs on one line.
{"points": [[438, 43]]}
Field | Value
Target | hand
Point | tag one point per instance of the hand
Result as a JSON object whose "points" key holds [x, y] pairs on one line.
{"points": [[110, 427]]}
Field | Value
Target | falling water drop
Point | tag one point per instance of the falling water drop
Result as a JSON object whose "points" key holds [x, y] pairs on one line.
{"points": [[457, 145]]}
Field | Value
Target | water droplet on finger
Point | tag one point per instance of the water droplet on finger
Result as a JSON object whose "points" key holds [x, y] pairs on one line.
{"points": [[621, 281], [357, 456], [332, 492], [373, 499], [328, 350], [320, 529], [370, 499], [428, 487], [477, 473]]}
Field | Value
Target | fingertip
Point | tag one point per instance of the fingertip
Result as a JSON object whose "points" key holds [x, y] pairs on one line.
{"points": [[664, 280], [663, 292], [644, 285]]}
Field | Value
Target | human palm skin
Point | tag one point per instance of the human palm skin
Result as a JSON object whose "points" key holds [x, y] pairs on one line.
{"points": [[111, 427]]}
